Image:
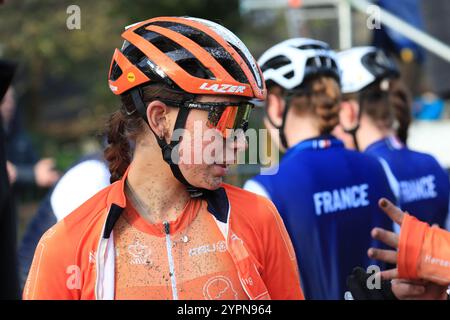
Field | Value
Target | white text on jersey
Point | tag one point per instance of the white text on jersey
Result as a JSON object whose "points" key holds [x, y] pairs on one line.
{"points": [[341, 199]]}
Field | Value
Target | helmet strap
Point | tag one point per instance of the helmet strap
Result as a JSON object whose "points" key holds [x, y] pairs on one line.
{"points": [[167, 148], [280, 128], [355, 129], [283, 139], [352, 132], [361, 99]]}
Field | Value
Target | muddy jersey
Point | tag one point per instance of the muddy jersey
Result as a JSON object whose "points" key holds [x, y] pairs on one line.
{"points": [[182, 259], [104, 251]]}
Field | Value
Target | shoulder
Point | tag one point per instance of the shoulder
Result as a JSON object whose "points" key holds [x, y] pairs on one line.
{"points": [[257, 221], [425, 158], [370, 161], [249, 206]]}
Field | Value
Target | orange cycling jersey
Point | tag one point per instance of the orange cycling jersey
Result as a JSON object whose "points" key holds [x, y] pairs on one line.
{"points": [[202, 268], [424, 252], [230, 245]]}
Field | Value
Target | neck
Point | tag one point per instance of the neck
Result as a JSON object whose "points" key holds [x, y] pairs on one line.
{"points": [[369, 133], [301, 128], [153, 190]]}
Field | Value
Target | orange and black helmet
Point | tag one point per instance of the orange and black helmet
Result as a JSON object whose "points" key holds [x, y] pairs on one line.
{"points": [[192, 55]]}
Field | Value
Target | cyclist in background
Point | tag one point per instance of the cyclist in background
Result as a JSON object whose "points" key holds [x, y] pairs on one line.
{"points": [[372, 112], [327, 195], [81, 181]]}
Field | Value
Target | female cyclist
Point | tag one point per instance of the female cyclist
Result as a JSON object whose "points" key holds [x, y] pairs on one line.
{"points": [[168, 228], [372, 107], [325, 193]]}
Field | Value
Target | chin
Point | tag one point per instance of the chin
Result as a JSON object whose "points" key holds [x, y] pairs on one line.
{"points": [[213, 183]]}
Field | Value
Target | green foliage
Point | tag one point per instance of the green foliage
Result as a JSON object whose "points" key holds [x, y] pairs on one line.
{"points": [[65, 69], [62, 80]]}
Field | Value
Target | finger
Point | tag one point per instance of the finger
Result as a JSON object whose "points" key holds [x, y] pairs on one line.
{"points": [[404, 290], [387, 237], [418, 282], [391, 210], [389, 256], [389, 274]]}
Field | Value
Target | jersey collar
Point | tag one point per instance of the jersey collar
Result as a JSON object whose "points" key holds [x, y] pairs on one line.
{"points": [[316, 143]]}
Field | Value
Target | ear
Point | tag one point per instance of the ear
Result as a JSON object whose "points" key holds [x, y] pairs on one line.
{"points": [[157, 117], [348, 115], [274, 108]]}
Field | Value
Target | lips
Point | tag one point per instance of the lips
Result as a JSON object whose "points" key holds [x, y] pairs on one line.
{"points": [[220, 169]]}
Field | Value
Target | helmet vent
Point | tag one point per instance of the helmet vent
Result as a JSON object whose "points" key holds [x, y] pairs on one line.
{"points": [[209, 44], [116, 71], [275, 63]]}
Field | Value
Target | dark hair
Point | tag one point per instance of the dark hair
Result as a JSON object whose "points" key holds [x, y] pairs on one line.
{"points": [[318, 95], [124, 126], [400, 100], [388, 108]]}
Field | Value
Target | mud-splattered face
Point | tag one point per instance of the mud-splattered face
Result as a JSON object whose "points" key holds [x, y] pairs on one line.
{"points": [[204, 153]]}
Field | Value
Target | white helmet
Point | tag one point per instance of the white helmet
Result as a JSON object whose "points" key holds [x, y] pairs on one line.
{"points": [[362, 66], [291, 61]]}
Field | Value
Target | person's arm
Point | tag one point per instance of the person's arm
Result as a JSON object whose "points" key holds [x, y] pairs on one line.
{"points": [[25, 174], [281, 274], [53, 275], [423, 252], [42, 173]]}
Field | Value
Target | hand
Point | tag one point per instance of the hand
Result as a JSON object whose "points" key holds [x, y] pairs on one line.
{"points": [[388, 237], [12, 172], [402, 289], [45, 173], [418, 290]]}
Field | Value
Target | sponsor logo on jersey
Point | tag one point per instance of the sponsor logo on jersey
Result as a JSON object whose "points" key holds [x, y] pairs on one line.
{"points": [[437, 261], [220, 246], [139, 253], [219, 288]]}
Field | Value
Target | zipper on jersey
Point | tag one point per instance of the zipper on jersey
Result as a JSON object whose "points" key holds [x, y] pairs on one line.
{"points": [[171, 263]]}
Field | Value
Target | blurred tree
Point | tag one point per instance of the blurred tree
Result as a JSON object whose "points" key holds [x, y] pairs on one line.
{"points": [[62, 77], [62, 71]]}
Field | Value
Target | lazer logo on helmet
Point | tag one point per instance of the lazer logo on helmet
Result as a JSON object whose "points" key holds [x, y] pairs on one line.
{"points": [[225, 88]]}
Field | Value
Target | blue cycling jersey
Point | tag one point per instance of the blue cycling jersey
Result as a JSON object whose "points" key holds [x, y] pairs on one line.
{"points": [[423, 185], [327, 196]]}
